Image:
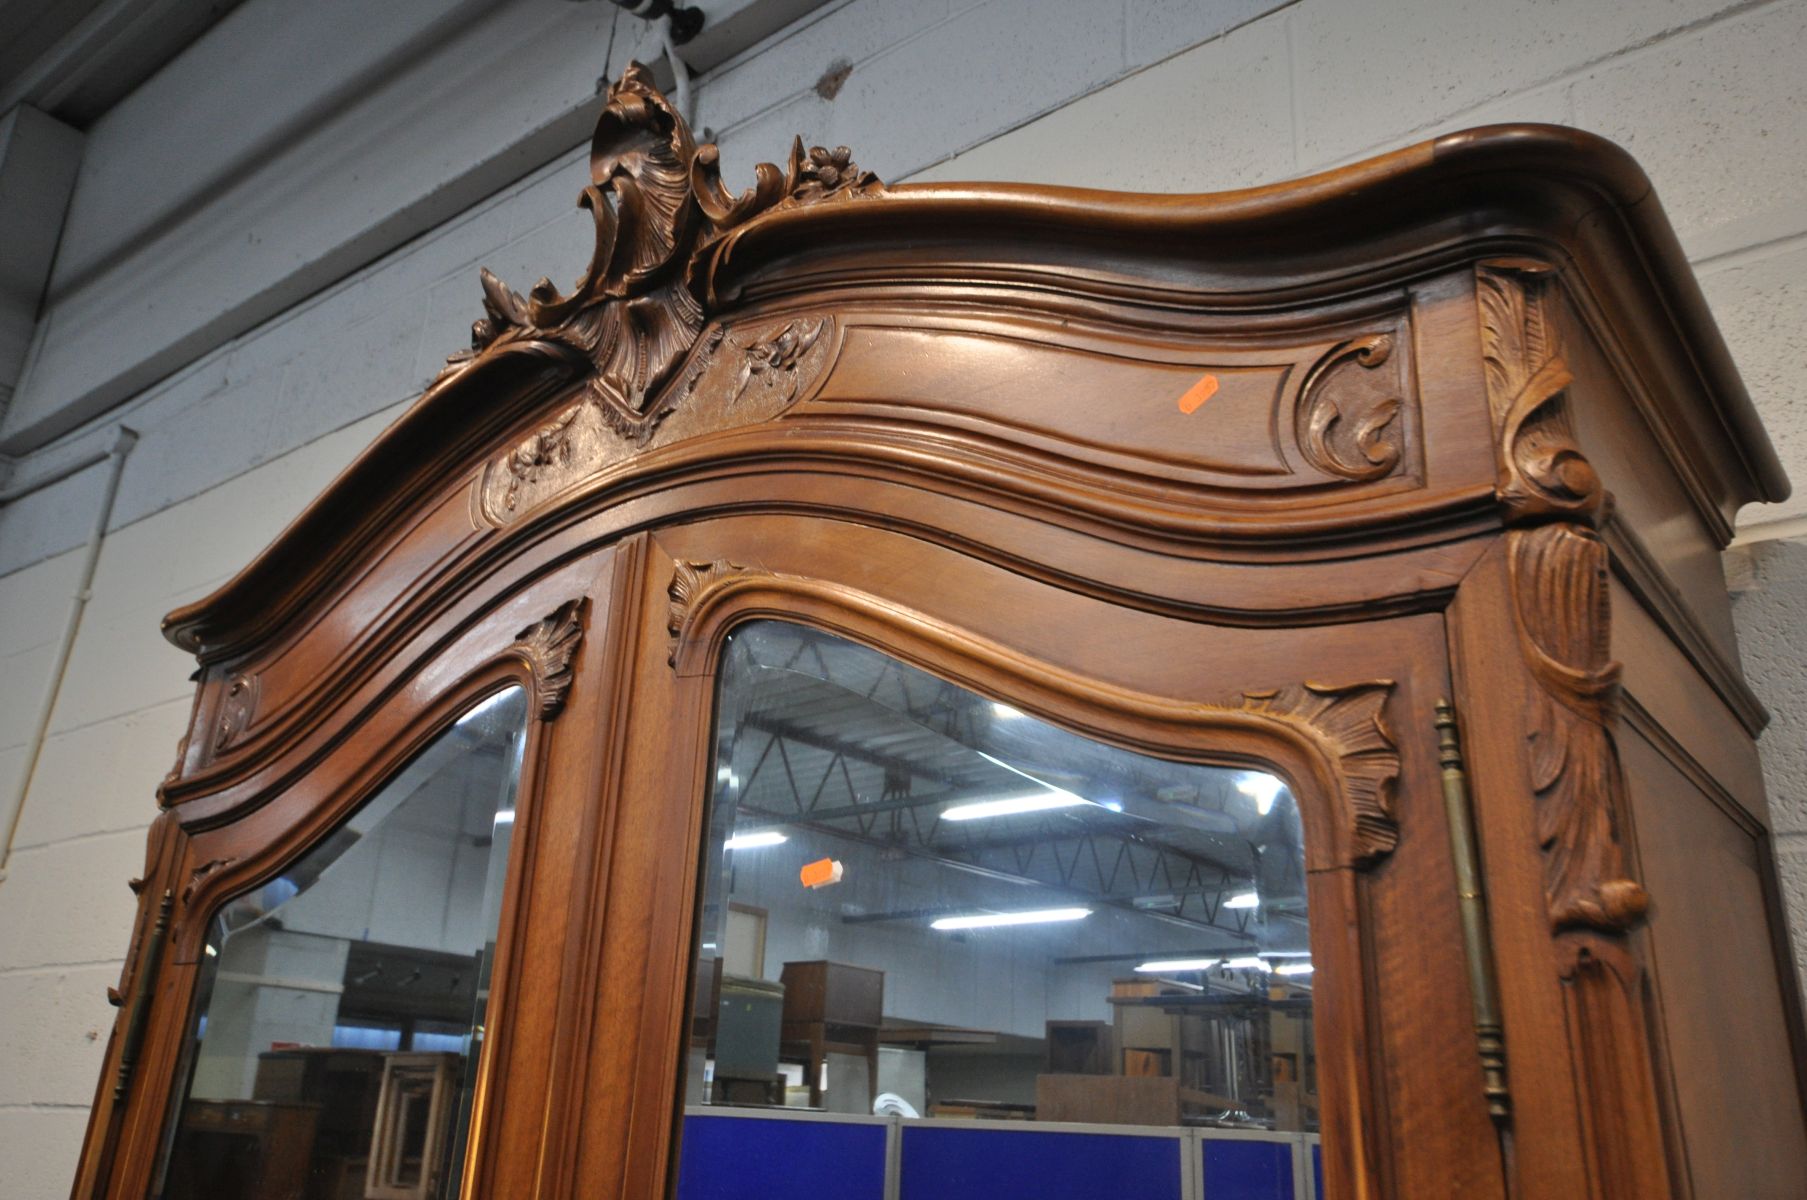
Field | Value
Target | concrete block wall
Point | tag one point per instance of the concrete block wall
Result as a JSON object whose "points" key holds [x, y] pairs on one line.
{"points": [[1143, 94]]}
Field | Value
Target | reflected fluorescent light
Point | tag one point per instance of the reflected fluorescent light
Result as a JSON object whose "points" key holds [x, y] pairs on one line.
{"points": [[1262, 788], [1179, 964], [1293, 968], [1009, 806], [1037, 916], [1248, 964], [752, 841], [1005, 711], [1243, 900], [505, 817]]}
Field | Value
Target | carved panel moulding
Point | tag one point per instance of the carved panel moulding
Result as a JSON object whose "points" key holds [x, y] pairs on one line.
{"points": [[1350, 428], [659, 207], [1346, 724], [548, 647]]}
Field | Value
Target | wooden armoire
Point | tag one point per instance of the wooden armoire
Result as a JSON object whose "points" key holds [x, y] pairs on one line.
{"points": [[1397, 493]]}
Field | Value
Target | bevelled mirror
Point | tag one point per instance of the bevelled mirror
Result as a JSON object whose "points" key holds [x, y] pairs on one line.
{"points": [[923, 905], [341, 1005]]}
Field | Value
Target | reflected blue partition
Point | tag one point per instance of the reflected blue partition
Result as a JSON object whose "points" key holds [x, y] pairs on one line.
{"points": [[1248, 1170], [741, 1158], [1317, 1170], [940, 1163]]}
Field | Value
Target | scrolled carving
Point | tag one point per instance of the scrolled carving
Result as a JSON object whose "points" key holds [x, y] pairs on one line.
{"points": [[688, 582], [660, 211], [548, 647], [237, 708], [1348, 722], [1345, 431], [1541, 470], [1560, 589]]}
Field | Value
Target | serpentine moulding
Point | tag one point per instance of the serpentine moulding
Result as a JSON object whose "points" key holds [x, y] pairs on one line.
{"points": [[641, 308]]}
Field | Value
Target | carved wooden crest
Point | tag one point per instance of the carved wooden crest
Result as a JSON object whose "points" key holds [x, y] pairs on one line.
{"points": [[641, 307]]}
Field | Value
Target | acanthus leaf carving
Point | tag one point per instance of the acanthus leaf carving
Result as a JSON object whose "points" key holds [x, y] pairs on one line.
{"points": [[202, 873], [1541, 469], [1348, 722], [1560, 589], [1352, 433], [746, 374], [548, 647], [660, 212], [688, 582]]}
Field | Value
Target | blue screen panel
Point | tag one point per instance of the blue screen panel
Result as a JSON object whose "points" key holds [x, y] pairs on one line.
{"points": [[745, 1158], [1239, 1170], [1317, 1170], [983, 1164]]}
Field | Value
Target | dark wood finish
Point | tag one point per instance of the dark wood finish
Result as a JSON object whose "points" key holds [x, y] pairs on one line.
{"points": [[1250, 478]]}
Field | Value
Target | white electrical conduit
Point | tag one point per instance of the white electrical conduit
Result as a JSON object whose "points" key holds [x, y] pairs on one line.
{"points": [[680, 73], [123, 439]]}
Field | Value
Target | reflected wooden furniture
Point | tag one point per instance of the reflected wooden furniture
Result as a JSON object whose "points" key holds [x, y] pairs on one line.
{"points": [[832, 1008], [413, 1119], [245, 1147], [344, 1084], [1258, 478]]}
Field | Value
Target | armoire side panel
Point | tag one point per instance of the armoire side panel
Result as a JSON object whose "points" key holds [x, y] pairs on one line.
{"points": [[1719, 998]]}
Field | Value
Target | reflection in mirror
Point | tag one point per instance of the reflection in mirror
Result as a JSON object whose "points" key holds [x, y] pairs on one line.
{"points": [[919, 901], [341, 1005]]}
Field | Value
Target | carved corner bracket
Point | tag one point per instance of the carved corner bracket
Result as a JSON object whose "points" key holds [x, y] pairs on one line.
{"points": [[1348, 431], [1559, 585], [689, 580], [1553, 498], [1542, 472], [1348, 725], [548, 647]]}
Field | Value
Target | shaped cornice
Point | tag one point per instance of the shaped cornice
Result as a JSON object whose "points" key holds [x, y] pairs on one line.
{"points": [[698, 298]]}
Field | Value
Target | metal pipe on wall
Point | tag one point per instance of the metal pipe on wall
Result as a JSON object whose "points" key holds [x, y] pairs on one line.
{"points": [[123, 441]]}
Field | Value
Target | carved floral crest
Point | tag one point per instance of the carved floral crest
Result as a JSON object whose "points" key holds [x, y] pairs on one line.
{"points": [[659, 206]]}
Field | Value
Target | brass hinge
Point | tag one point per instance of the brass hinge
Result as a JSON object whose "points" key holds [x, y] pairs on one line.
{"points": [[1477, 943]]}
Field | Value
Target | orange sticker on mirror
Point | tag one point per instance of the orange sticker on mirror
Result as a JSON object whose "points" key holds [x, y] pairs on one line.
{"points": [[820, 873], [1197, 394]]}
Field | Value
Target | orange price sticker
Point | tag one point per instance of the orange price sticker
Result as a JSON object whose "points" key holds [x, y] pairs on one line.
{"points": [[820, 873], [1197, 394]]}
